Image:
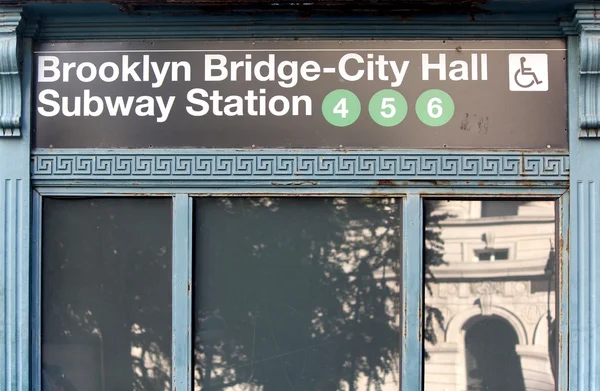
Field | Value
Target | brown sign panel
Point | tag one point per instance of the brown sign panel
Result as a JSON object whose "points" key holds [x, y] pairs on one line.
{"points": [[301, 94]]}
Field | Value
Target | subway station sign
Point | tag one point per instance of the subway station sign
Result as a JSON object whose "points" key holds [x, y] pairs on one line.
{"points": [[301, 94]]}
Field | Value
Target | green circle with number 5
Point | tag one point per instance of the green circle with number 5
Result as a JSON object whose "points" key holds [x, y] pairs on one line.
{"points": [[388, 108], [341, 108], [435, 108]]}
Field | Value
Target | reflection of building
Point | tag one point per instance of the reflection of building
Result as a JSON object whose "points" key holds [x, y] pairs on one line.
{"points": [[494, 295]]}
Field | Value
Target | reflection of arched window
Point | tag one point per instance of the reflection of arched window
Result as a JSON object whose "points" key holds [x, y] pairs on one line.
{"points": [[491, 358]]}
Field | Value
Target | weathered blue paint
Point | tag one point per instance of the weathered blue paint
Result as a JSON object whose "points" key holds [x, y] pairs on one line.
{"points": [[334, 190], [182, 293], [584, 254], [412, 293], [36, 290], [122, 27], [177, 172], [10, 82], [14, 247], [496, 19], [562, 253], [585, 24]]}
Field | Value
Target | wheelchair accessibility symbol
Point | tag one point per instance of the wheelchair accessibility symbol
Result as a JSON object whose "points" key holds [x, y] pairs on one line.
{"points": [[528, 72]]}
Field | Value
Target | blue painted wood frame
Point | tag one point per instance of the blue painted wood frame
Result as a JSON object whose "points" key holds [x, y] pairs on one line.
{"points": [[182, 293], [412, 282], [584, 251], [410, 174], [412, 293], [15, 192]]}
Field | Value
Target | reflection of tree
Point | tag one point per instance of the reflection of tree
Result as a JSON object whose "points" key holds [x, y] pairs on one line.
{"points": [[433, 256], [106, 291], [297, 294]]}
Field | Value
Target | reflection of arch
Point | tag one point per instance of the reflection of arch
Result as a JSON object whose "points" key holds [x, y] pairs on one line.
{"points": [[457, 323], [540, 332], [491, 358]]}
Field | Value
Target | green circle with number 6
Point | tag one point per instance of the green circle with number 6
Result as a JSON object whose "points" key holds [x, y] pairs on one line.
{"points": [[388, 108], [341, 108], [435, 107]]}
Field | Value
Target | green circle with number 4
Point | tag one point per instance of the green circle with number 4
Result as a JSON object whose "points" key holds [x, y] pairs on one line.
{"points": [[435, 108], [388, 108], [341, 108]]}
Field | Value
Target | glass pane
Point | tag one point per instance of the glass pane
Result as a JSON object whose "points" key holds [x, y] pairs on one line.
{"points": [[106, 294], [490, 302], [297, 294]]}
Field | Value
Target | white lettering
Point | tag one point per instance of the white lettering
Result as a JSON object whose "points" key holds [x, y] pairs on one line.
{"points": [[285, 105], [92, 72], [440, 66], [399, 74], [187, 70], [43, 98], [115, 72], [210, 66], [160, 74], [307, 105], [459, 70], [290, 79], [191, 97], [145, 107], [342, 67], [165, 109], [43, 67], [119, 105], [270, 65], [310, 70], [87, 101], [129, 70]]}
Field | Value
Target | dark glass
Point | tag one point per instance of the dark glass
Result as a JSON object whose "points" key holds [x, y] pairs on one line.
{"points": [[490, 301], [106, 294], [297, 294]]}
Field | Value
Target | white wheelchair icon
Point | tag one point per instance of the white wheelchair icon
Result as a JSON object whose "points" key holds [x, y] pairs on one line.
{"points": [[528, 72]]}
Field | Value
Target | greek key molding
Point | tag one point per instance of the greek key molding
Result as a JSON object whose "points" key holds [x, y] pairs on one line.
{"points": [[10, 82], [191, 167]]}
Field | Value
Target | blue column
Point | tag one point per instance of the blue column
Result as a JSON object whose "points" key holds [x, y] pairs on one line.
{"points": [[14, 209], [584, 245]]}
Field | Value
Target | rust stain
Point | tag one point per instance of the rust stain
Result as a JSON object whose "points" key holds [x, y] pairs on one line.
{"points": [[404, 318], [420, 319], [305, 8], [298, 183]]}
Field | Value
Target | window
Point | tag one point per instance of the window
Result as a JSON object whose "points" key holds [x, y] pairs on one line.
{"points": [[492, 254], [297, 293], [491, 329], [499, 208], [300, 293], [106, 294]]}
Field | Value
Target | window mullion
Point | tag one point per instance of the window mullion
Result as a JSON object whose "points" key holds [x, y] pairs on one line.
{"points": [[412, 293], [562, 250], [36, 297], [182, 293]]}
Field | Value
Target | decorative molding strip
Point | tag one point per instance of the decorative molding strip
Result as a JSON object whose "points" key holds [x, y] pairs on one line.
{"points": [[585, 23], [103, 24], [10, 83], [280, 166]]}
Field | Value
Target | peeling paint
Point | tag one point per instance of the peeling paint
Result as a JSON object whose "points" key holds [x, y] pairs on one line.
{"points": [[306, 8]]}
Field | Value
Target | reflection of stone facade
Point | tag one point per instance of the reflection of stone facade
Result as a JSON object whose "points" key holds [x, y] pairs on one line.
{"points": [[513, 288]]}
